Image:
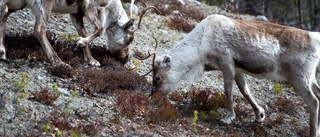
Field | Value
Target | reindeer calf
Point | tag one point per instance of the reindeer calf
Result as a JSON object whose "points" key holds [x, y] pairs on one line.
{"points": [[238, 47], [103, 14]]}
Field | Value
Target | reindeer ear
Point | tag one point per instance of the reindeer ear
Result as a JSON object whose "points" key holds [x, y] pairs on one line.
{"points": [[163, 62], [166, 61], [129, 24]]}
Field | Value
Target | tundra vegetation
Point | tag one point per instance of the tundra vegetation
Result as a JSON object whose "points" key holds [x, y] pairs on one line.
{"points": [[113, 100]]}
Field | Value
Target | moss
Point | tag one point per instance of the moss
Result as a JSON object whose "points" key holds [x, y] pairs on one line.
{"points": [[23, 95], [23, 82], [277, 88], [69, 38], [45, 127]]}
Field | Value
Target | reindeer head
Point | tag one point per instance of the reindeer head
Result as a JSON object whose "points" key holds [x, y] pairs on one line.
{"points": [[164, 79], [120, 36]]}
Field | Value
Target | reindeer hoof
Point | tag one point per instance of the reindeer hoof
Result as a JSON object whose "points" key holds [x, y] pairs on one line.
{"points": [[94, 62], [260, 115], [3, 54], [228, 119], [64, 65], [81, 42], [67, 66]]}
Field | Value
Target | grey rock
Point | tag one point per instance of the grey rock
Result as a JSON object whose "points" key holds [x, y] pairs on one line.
{"points": [[39, 78], [262, 18], [135, 9], [2, 103], [64, 92], [9, 108], [195, 2]]}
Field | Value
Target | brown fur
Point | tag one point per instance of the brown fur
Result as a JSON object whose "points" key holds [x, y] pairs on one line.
{"points": [[288, 36], [239, 48]]}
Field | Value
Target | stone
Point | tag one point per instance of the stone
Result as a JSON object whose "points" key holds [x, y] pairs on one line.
{"points": [[135, 9]]}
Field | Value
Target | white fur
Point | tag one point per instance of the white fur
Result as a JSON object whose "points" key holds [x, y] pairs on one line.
{"points": [[238, 47], [103, 14]]}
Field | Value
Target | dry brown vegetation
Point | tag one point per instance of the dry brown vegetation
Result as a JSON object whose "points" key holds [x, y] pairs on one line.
{"points": [[181, 14]]}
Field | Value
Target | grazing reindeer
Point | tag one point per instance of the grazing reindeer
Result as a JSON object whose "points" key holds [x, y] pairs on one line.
{"points": [[103, 14], [238, 47]]}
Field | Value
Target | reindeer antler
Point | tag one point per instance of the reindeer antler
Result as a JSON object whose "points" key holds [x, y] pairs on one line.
{"points": [[144, 12], [132, 3], [139, 55], [154, 57], [131, 7]]}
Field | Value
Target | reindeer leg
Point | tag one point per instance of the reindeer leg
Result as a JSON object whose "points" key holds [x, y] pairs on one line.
{"points": [[243, 87], [96, 33], [93, 15], [316, 91], [40, 32], [4, 13], [77, 20], [94, 18], [228, 75], [303, 85]]}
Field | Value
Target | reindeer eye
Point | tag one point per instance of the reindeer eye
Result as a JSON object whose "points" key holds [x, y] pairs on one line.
{"points": [[157, 78]]}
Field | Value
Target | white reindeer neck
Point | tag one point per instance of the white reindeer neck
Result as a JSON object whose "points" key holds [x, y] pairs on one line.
{"points": [[188, 57], [186, 54]]}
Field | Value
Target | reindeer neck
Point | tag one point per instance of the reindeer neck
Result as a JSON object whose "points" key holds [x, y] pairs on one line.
{"points": [[189, 50]]}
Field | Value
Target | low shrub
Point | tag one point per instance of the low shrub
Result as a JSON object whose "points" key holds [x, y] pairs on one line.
{"points": [[61, 71], [186, 13], [72, 124], [154, 110], [180, 23], [193, 13], [45, 96], [283, 103], [111, 79], [206, 100], [165, 10]]}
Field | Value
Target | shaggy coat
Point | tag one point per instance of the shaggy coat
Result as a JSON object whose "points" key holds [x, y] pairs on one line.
{"points": [[103, 14], [238, 47]]}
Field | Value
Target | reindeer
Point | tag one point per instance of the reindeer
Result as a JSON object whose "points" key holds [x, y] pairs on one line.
{"points": [[103, 14], [239, 47]]}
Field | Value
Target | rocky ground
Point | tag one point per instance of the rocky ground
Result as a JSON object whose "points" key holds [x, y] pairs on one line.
{"points": [[74, 111]]}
